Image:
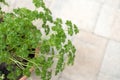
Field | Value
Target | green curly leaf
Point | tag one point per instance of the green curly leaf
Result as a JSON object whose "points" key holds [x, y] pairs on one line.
{"points": [[38, 3], [23, 45]]}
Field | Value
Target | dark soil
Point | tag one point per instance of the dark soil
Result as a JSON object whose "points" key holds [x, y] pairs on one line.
{"points": [[1, 19], [3, 70]]}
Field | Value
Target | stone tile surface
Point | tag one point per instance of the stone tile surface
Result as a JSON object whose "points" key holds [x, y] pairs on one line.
{"points": [[90, 51], [113, 3], [20, 3], [105, 21], [81, 12], [115, 30], [49, 2], [57, 6], [110, 69], [99, 1], [27, 3], [107, 77], [10, 7]]}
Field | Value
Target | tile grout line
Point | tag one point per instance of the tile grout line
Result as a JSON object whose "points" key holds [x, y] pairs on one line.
{"points": [[104, 51], [98, 15], [93, 34], [108, 40], [119, 6]]}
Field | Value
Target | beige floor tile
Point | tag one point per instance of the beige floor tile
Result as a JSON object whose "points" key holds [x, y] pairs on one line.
{"points": [[113, 3], [100, 1], [115, 31], [27, 3], [111, 63], [48, 2], [20, 3], [90, 52], [105, 21], [107, 77], [81, 12], [10, 7]]}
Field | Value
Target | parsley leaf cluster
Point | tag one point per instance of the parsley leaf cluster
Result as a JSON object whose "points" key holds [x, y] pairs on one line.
{"points": [[19, 39]]}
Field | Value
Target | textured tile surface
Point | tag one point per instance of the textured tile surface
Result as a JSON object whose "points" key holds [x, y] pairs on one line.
{"points": [[10, 7], [107, 77], [113, 3], [90, 52], [20, 3], [110, 69], [99, 1], [82, 12], [115, 31], [105, 21]]}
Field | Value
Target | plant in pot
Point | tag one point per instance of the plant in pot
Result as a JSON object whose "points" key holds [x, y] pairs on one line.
{"points": [[24, 48]]}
